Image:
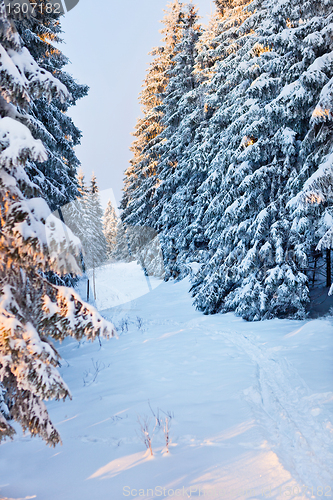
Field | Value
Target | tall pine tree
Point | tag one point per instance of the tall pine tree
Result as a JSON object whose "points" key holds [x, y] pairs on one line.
{"points": [[96, 251], [141, 177], [84, 216], [178, 178], [110, 229], [56, 177], [259, 262], [32, 242]]}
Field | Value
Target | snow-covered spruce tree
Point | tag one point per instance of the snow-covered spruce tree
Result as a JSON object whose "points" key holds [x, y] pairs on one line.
{"points": [[49, 121], [220, 39], [96, 249], [219, 56], [32, 310], [193, 141], [189, 241], [141, 177], [122, 252], [140, 244], [312, 207], [178, 174], [110, 227], [76, 216], [84, 217], [258, 266], [147, 131]]}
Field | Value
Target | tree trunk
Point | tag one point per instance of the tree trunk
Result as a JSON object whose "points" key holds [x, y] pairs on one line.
{"points": [[314, 272], [94, 281], [328, 268]]}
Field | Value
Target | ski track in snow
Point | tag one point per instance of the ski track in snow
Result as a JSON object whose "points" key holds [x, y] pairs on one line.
{"points": [[299, 433], [282, 405]]}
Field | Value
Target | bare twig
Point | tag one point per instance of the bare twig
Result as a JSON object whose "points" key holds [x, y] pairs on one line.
{"points": [[166, 429], [145, 437], [124, 325], [139, 323], [156, 416], [98, 366]]}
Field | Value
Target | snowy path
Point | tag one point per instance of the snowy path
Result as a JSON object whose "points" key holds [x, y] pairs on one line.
{"points": [[281, 402], [252, 406]]}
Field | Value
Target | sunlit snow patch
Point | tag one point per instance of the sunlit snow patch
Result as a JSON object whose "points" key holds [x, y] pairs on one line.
{"points": [[121, 282], [118, 262]]}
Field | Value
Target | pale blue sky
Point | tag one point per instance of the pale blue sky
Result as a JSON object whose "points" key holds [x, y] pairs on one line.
{"points": [[108, 44]]}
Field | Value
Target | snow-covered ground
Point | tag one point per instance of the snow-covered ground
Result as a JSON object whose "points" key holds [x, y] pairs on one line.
{"points": [[251, 407], [119, 283]]}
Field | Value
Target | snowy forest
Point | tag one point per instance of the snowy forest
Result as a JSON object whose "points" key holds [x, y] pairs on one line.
{"points": [[232, 159], [225, 221]]}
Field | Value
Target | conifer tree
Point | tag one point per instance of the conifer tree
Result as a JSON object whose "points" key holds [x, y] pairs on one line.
{"points": [[141, 177], [183, 233], [84, 217], [56, 177], [122, 251], [110, 226], [75, 215], [311, 208], [49, 121], [33, 311], [259, 263], [96, 249], [182, 113]]}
